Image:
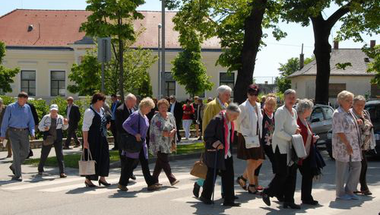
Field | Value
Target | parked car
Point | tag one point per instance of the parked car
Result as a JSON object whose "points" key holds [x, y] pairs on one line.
{"points": [[373, 107], [321, 122]]}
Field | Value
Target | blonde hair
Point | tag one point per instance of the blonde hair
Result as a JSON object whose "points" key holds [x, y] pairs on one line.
{"points": [[344, 95], [271, 98], [147, 102]]}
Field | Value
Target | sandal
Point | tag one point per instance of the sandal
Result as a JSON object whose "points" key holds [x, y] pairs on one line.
{"points": [[254, 191], [243, 184], [366, 193]]}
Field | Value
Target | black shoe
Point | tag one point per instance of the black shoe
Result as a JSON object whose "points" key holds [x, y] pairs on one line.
{"points": [[30, 154], [206, 201], [231, 204], [196, 189], [280, 198], [104, 183], [89, 184], [310, 202], [11, 168], [266, 199], [133, 177], [14, 178], [291, 205], [235, 197]]}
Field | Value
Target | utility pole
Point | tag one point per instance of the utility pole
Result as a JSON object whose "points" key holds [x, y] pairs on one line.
{"points": [[163, 38], [159, 63]]}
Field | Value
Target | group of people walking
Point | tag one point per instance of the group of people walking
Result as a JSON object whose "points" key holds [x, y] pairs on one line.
{"points": [[258, 129]]}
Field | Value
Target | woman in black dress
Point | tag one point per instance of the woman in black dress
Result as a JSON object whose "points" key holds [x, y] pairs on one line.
{"points": [[95, 125]]}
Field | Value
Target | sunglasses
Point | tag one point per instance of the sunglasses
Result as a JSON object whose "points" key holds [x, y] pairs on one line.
{"points": [[253, 94]]}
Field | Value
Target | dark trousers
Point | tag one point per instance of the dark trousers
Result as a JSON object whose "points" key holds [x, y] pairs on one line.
{"points": [[227, 182], [114, 134], [129, 164], [162, 163], [71, 134], [307, 180], [269, 152], [284, 181], [178, 124], [363, 173], [59, 154]]}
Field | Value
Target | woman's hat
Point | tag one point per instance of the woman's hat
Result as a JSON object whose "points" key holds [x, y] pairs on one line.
{"points": [[53, 107]]}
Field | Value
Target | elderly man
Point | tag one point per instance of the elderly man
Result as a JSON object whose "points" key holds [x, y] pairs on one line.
{"points": [[212, 109], [18, 121], [73, 115], [121, 114]]}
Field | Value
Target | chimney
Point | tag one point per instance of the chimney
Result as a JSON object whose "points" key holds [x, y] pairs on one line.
{"points": [[336, 44], [302, 58], [372, 44]]}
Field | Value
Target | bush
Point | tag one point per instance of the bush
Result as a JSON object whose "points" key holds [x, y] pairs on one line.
{"points": [[7, 100]]}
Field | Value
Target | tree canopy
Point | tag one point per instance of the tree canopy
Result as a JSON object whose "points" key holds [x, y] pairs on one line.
{"points": [[6, 75]]}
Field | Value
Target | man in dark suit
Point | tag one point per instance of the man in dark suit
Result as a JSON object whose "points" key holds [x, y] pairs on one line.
{"points": [[73, 115], [122, 113], [115, 104], [177, 110], [36, 122]]}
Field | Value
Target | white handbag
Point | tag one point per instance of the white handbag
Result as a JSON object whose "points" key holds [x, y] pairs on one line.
{"points": [[86, 167], [298, 145], [252, 141]]}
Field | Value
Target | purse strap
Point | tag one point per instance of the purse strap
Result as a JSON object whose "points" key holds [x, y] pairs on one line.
{"points": [[89, 155]]}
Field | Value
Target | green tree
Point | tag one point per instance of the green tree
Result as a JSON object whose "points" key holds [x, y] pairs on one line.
{"points": [[86, 76], [6, 75], [374, 65], [238, 24], [357, 16], [113, 18], [188, 68]]}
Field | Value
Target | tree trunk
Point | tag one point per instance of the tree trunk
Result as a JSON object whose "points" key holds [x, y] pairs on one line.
{"points": [[121, 69], [322, 52], [252, 38]]}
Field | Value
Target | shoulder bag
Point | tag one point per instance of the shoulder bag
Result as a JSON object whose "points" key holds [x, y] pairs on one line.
{"points": [[129, 142]]}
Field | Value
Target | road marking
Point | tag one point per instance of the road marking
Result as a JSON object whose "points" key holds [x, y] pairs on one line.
{"points": [[33, 184]]}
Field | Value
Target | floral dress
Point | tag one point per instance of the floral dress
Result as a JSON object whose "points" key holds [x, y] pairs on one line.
{"points": [[344, 122], [159, 143]]}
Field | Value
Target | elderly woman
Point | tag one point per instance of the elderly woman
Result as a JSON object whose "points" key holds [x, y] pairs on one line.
{"points": [[162, 140], [219, 136], [137, 124], [95, 125], [52, 125], [267, 134], [346, 148], [367, 140], [307, 165], [284, 181], [187, 117], [250, 129]]}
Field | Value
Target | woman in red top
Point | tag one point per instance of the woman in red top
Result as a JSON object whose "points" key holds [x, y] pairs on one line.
{"points": [[306, 165], [187, 118]]}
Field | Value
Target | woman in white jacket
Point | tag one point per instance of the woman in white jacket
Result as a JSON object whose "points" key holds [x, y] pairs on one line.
{"points": [[52, 125], [284, 183], [250, 129]]}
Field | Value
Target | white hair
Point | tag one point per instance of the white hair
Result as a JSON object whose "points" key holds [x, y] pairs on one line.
{"points": [[147, 102], [232, 107], [344, 95], [130, 96], [304, 104], [359, 98], [289, 92], [223, 88]]}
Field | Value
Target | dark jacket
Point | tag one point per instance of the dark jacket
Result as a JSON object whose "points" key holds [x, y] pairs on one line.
{"points": [[118, 103], [34, 113], [121, 114], [178, 112], [214, 132], [74, 116]]}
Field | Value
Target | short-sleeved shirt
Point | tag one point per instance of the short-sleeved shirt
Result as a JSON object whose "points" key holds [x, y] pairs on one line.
{"points": [[344, 122]]}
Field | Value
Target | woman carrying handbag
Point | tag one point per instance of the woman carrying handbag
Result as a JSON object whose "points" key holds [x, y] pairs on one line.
{"points": [[52, 125]]}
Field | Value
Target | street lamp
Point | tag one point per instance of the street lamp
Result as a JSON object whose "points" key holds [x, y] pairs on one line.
{"points": [[159, 63]]}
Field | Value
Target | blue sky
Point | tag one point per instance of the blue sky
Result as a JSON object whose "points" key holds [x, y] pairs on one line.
{"points": [[268, 58]]}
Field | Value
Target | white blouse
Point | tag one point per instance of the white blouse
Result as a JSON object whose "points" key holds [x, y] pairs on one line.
{"points": [[89, 116]]}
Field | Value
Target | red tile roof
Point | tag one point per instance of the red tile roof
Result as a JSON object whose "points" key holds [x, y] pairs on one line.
{"points": [[61, 28]]}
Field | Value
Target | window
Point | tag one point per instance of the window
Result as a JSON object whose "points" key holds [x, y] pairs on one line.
{"points": [[28, 82], [335, 89], [375, 91], [227, 79], [58, 85], [168, 83], [328, 113], [317, 115]]}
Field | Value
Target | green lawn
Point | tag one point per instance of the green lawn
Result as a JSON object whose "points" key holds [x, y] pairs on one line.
{"points": [[71, 160]]}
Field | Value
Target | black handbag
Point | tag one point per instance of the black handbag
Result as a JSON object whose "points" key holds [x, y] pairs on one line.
{"points": [[129, 143]]}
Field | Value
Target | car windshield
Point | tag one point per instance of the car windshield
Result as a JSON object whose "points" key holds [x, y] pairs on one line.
{"points": [[374, 112]]}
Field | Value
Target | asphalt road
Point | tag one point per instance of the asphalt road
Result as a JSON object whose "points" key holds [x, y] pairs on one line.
{"points": [[52, 195]]}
